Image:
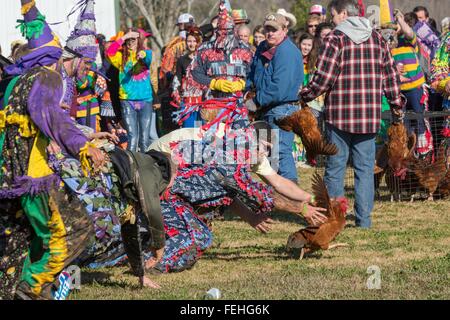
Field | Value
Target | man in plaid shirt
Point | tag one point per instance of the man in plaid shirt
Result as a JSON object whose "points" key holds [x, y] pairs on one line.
{"points": [[354, 69]]}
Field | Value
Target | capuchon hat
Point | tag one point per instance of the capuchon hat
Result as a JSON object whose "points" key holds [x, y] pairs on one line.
{"points": [[43, 43], [83, 38]]}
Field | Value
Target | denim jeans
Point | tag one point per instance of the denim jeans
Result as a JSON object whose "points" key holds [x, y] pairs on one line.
{"points": [[362, 149], [153, 129], [413, 103], [286, 167], [137, 116]]}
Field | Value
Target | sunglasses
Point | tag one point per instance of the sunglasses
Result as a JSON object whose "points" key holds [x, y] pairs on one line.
{"points": [[312, 25]]}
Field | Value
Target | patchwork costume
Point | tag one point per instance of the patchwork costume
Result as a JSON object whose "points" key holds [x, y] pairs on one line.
{"points": [[203, 186]]}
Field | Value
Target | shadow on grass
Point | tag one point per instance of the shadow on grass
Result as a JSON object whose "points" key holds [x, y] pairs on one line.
{"points": [[104, 279], [246, 253], [279, 216]]}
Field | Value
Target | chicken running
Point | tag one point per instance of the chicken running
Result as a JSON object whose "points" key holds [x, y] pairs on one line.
{"points": [[314, 238]]}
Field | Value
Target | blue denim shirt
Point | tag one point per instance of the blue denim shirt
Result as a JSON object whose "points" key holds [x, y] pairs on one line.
{"points": [[277, 80]]}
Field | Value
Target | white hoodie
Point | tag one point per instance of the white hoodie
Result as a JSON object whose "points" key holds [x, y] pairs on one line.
{"points": [[358, 29]]}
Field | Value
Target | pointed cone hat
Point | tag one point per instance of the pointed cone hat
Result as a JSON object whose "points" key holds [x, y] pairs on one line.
{"points": [[83, 38], [44, 45], [386, 13], [225, 22]]}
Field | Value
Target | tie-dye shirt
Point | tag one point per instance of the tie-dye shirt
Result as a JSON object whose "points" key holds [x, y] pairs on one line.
{"points": [[134, 78]]}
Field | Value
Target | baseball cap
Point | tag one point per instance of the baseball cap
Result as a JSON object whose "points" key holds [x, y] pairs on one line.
{"points": [[276, 20], [145, 33], [186, 18], [317, 9]]}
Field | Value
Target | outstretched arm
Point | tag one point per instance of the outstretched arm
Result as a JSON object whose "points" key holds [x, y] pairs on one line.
{"points": [[46, 113], [287, 188], [55, 124]]}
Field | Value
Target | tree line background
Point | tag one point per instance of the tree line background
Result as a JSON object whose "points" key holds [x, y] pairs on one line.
{"points": [[160, 16]]}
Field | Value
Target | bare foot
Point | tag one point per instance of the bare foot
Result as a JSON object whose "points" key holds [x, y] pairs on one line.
{"points": [[147, 283]]}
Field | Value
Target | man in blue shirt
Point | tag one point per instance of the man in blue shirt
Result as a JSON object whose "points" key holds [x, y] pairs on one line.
{"points": [[277, 75]]}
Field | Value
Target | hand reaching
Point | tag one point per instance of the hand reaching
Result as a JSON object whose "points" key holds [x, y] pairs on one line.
{"points": [[262, 223], [97, 157], [399, 15], [249, 96], [105, 135], [314, 216]]}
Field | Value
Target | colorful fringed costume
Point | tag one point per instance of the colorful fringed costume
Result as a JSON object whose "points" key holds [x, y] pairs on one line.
{"points": [[440, 76], [32, 116], [174, 50], [60, 224], [93, 100]]}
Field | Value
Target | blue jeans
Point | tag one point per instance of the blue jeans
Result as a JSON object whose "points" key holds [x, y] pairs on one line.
{"points": [[153, 129], [362, 148], [137, 116], [413, 103], [286, 167]]}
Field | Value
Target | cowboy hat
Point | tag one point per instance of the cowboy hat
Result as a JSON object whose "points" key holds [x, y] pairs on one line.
{"points": [[289, 16]]}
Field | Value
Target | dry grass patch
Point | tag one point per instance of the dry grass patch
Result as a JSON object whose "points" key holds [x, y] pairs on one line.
{"points": [[410, 242]]}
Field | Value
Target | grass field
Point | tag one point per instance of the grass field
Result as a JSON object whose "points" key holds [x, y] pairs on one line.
{"points": [[410, 243]]}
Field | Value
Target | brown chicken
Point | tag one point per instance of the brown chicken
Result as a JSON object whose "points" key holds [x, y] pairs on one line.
{"points": [[304, 124], [400, 147], [314, 238], [431, 175], [400, 151], [443, 189]]}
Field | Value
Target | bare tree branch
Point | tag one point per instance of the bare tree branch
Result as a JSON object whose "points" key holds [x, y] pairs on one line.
{"points": [[214, 8]]}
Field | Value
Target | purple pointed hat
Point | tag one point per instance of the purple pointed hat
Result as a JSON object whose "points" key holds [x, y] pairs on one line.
{"points": [[83, 37], [44, 45]]}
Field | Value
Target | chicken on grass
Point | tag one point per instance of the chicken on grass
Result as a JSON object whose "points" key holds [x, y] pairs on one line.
{"points": [[430, 176], [313, 238]]}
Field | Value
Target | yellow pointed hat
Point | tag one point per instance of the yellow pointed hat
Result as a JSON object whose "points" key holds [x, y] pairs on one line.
{"points": [[386, 13]]}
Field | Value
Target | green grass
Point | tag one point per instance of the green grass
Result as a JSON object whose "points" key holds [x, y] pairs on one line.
{"points": [[409, 242]]}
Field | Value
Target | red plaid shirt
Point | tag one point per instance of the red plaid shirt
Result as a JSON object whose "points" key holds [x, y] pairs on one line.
{"points": [[354, 78]]}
